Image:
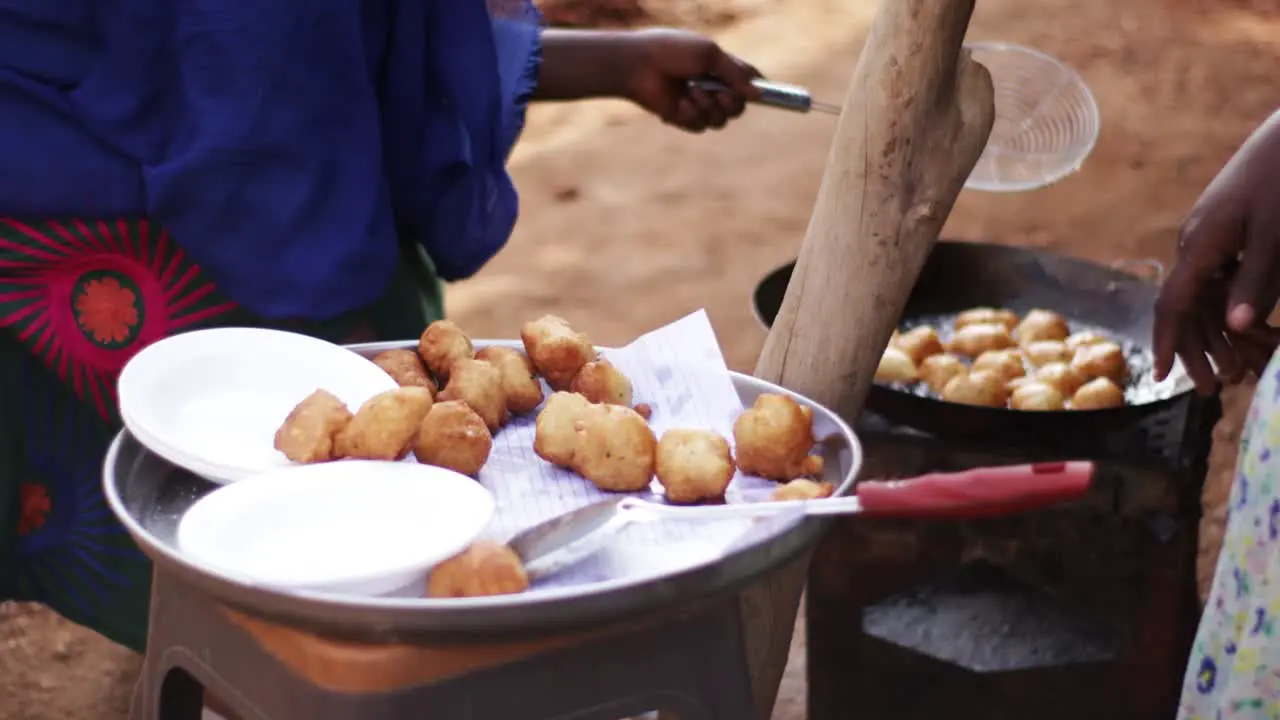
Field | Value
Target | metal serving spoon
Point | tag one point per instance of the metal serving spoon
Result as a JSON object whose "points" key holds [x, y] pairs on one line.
{"points": [[776, 94], [556, 544]]}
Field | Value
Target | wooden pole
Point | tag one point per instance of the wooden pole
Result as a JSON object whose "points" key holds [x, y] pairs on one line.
{"points": [[916, 118]]}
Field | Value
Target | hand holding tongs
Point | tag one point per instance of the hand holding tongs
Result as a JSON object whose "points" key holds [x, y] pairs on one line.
{"points": [[775, 94]]}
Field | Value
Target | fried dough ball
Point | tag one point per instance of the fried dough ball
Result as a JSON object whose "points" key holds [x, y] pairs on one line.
{"points": [[803, 489], [405, 367], [774, 437], [1104, 359], [1097, 394], [479, 385], [556, 428], [600, 382], [1005, 363], [307, 434], [609, 445], [938, 370], [694, 465], [973, 340], [616, 449], [1061, 376], [896, 367], [555, 435], [1043, 352], [1042, 325], [982, 387], [521, 389], [442, 345], [1036, 396], [454, 437], [385, 425], [1075, 341], [919, 343], [485, 568], [1015, 383], [987, 316], [557, 350]]}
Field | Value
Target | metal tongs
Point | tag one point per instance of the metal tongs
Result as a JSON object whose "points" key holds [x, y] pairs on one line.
{"points": [[775, 94]]}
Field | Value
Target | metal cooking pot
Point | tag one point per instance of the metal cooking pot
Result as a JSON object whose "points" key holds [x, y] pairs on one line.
{"points": [[961, 275]]}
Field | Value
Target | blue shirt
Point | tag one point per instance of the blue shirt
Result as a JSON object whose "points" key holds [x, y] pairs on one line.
{"points": [[288, 146]]}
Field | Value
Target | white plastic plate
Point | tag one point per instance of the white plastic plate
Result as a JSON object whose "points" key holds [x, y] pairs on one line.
{"points": [[211, 401], [355, 527]]}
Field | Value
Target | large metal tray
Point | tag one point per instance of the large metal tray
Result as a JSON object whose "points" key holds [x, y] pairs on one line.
{"points": [[150, 495]]}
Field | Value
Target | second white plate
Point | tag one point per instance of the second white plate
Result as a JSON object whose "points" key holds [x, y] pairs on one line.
{"points": [[356, 527]]}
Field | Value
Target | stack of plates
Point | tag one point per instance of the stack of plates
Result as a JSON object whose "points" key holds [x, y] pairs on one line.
{"points": [[210, 401]]}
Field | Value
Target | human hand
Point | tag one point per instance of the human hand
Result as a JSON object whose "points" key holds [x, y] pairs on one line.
{"points": [[1216, 300], [660, 65]]}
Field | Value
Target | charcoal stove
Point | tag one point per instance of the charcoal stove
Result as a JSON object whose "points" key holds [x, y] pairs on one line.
{"points": [[1085, 610]]}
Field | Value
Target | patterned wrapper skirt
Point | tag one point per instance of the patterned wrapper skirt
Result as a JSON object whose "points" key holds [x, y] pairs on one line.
{"points": [[1234, 669], [77, 299]]}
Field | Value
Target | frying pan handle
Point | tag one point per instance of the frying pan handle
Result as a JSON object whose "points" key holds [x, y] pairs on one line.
{"points": [[1146, 268], [982, 492]]}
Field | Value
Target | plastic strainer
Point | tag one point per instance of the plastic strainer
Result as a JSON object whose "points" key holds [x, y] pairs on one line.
{"points": [[1046, 120]]}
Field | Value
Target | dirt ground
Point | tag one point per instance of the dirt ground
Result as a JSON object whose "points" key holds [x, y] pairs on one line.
{"points": [[627, 225]]}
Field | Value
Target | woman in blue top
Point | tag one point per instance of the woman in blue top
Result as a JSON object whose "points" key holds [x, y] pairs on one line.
{"points": [[319, 166]]}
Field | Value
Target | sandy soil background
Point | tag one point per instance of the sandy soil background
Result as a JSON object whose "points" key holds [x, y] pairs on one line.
{"points": [[627, 224]]}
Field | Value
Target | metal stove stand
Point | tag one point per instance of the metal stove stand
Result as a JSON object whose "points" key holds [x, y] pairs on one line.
{"points": [[1085, 610]]}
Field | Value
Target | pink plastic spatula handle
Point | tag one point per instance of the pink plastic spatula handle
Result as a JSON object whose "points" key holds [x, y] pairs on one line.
{"points": [[982, 492]]}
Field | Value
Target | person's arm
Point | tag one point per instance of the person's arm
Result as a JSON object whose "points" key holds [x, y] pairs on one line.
{"points": [[1216, 300], [652, 68], [581, 64]]}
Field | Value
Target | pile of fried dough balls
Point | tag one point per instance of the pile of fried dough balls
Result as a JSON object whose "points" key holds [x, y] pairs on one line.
{"points": [[453, 399], [993, 358]]}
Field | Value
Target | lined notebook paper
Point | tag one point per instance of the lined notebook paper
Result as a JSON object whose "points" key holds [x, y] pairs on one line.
{"points": [[679, 371]]}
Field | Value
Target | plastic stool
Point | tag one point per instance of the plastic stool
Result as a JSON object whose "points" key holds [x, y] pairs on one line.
{"points": [[691, 664]]}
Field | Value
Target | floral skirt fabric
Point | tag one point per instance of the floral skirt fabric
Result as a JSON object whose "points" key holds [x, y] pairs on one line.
{"points": [[1234, 669], [77, 300]]}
